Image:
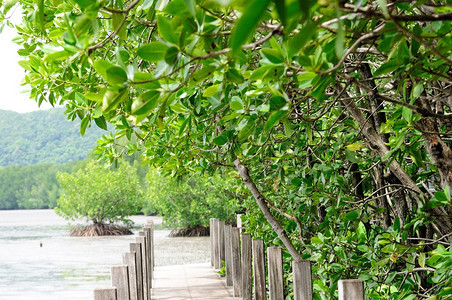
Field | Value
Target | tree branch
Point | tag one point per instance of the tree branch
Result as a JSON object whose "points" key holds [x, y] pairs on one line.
{"points": [[243, 172]]}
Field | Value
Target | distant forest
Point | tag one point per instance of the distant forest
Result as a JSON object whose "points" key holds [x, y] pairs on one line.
{"points": [[43, 137], [34, 147]]}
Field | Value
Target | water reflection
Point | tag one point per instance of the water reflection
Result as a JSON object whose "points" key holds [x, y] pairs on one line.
{"points": [[38, 260]]}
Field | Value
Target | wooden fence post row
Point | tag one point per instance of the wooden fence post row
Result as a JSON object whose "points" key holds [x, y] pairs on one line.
{"points": [[245, 266], [133, 280]]}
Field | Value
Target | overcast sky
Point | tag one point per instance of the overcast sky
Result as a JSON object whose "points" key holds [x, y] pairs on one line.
{"points": [[12, 95]]}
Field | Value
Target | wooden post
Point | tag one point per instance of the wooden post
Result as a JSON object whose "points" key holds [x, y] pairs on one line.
{"points": [[236, 268], [120, 280], [260, 292], [228, 254], [216, 248], [130, 259], [212, 241], [302, 280], [147, 232], [247, 276], [105, 294], [136, 247], [275, 273], [239, 221], [141, 240], [221, 245], [150, 224], [351, 289]]}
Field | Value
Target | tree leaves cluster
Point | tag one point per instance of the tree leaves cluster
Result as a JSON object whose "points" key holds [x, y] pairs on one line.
{"points": [[187, 203], [337, 114], [100, 195]]}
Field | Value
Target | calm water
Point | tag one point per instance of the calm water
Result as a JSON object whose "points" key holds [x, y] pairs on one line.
{"points": [[71, 267]]}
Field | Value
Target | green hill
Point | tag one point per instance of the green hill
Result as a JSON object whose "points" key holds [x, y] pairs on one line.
{"points": [[43, 137]]}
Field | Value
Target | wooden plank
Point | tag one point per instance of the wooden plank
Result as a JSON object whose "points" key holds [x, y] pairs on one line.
{"points": [[136, 247], [130, 259], [275, 273], [147, 232], [302, 280], [236, 263], [221, 245], [260, 291], [351, 289], [239, 221], [120, 280], [142, 241], [228, 254], [212, 240], [216, 248], [150, 224], [105, 294], [247, 275]]}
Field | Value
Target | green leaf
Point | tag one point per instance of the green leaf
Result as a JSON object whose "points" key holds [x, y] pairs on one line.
{"points": [[116, 75], [281, 9], [153, 52], [340, 37], [8, 5], [203, 73], [416, 91], [362, 233], [117, 19], [316, 240], [101, 122], [247, 23], [248, 129], [355, 146], [273, 119], [145, 103], [236, 103], [84, 125], [220, 140], [407, 114], [112, 99], [387, 67], [421, 259], [273, 55], [171, 55], [191, 7], [297, 42], [384, 7], [234, 76], [101, 66], [352, 216], [277, 102], [211, 90], [165, 30]]}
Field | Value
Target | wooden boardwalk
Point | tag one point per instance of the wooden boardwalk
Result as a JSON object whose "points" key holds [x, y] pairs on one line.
{"points": [[196, 281]]}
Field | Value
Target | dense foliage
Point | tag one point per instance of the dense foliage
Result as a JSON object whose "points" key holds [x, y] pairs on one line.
{"points": [[189, 202], [29, 187], [100, 195], [335, 113], [43, 137]]}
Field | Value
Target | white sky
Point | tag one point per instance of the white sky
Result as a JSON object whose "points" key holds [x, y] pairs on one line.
{"points": [[12, 95]]}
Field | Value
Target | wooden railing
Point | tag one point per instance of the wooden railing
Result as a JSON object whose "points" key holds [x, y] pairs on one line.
{"points": [[244, 260], [133, 279]]}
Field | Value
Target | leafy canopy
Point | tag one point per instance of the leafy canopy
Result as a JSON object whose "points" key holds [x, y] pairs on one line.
{"points": [[336, 113], [100, 195]]}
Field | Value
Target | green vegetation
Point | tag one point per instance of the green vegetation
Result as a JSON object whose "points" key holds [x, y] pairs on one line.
{"points": [[43, 137], [189, 202], [101, 196], [29, 187], [336, 115]]}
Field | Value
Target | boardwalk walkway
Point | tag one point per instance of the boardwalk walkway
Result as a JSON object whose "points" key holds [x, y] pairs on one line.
{"points": [[195, 281]]}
